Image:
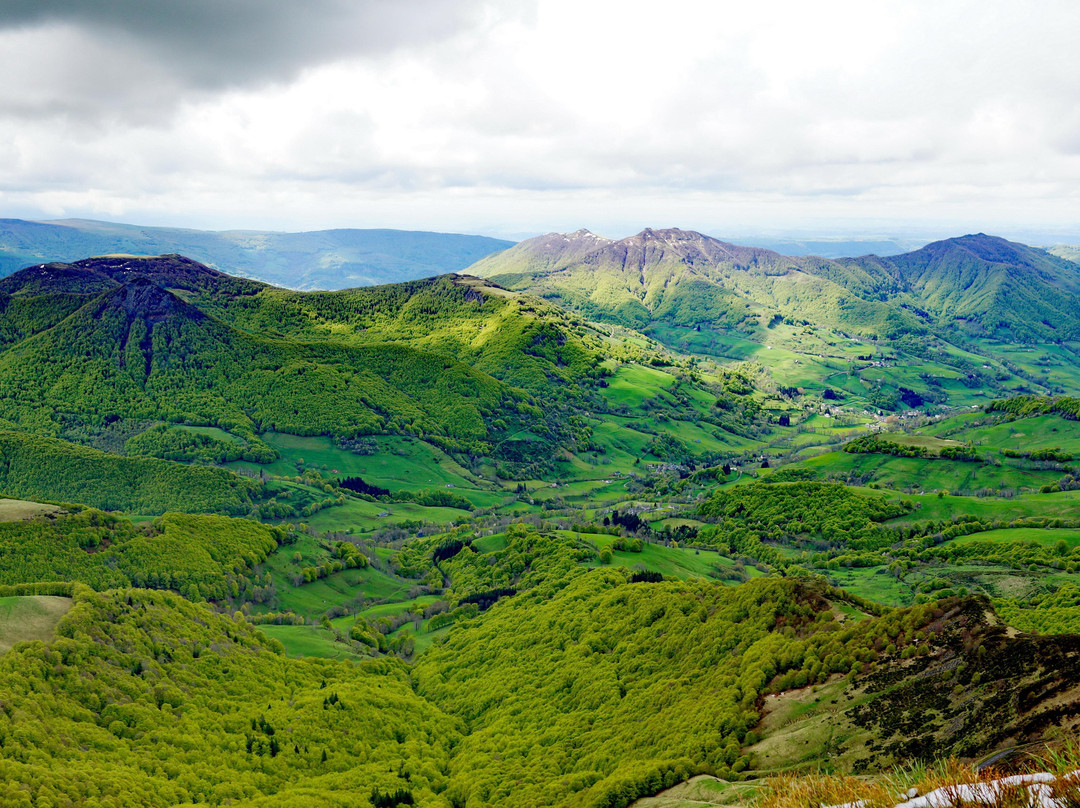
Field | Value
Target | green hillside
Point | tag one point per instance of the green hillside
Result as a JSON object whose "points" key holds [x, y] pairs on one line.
{"points": [[139, 351], [983, 285], [142, 697], [941, 325], [35, 467]]}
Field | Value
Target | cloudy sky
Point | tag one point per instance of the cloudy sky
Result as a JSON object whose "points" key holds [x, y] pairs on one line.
{"points": [[509, 118]]}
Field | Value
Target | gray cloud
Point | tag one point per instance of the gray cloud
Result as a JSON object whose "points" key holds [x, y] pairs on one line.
{"points": [[133, 60], [219, 43]]}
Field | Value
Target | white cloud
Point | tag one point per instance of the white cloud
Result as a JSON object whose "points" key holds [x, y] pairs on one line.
{"points": [[519, 117]]}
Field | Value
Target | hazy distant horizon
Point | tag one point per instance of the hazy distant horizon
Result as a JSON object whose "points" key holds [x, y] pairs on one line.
{"points": [[828, 243]]}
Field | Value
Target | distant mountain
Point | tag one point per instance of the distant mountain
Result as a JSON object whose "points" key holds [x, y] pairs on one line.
{"points": [[987, 286], [322, 259], [688, 279], [978, 285]]}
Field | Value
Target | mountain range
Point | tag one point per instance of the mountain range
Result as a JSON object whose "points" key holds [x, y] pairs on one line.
{"points": [[322, 259], [972, 286]]}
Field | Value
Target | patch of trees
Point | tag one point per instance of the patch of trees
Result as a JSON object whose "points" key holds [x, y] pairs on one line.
{"points": [[433, 498], [629, 521], [209, 557], [910, 399], [647, 577], [358, 446], [485, 600], [744, 519], [174, 443], [358, 485], [965, 454], [448, 549], [436, 498], [668, 448], [391, 799], [529, 560], [878, 444], [1054, 455], [1028, 406]]}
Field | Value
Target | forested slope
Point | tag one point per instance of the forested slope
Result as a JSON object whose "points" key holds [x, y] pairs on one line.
{"points": [[36, 467]]}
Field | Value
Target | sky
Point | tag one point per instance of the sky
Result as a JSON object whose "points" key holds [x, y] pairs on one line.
{"points": [[512, 118]]}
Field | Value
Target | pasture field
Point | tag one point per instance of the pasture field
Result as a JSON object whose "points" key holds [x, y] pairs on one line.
{"points": [[678, 562], [30, 617], [398, 464], [313, 599], [633, 384], [363, 516], [15, 510], [1021, 434], [309, 641], [1060, 505], [920, 474], [1048, 537]]}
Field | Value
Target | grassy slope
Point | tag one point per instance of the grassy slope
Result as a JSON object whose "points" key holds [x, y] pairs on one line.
{"points": [[30, 617], [14, 510]]}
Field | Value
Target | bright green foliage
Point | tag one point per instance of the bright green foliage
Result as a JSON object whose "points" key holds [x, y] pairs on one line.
{"points": [[1053, 613], [175, 443], [46, 468], [213, 554], [146, 699], [528, 559], [141, 352], [827, 512], [876, 444], [986, 285], [1028, 406], [590, 697], [166, 339]]}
